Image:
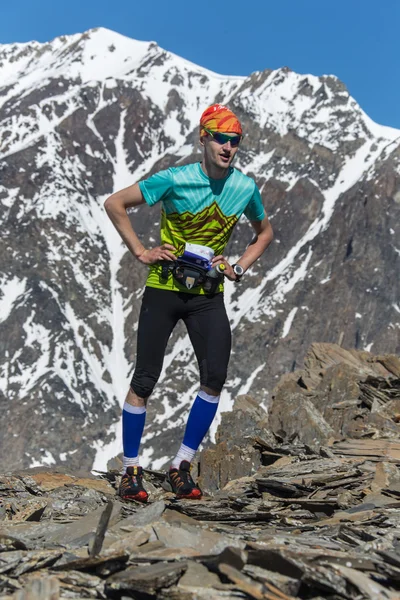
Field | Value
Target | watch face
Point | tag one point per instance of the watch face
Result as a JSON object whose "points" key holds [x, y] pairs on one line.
{"points": [[238, 270]]}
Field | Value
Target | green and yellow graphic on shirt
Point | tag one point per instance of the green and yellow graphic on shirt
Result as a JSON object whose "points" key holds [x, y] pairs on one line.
{"points": [[209, 227], [198, 210]]}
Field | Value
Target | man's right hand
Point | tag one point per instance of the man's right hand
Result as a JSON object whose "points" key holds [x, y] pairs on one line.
{"points": [[154, 255]]}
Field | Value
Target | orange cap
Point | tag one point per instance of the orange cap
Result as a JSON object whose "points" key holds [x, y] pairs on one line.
{"points": [[219, 118]]}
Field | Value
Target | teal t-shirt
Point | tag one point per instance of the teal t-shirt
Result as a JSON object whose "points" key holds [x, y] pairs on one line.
{"points": [[198, 210]]}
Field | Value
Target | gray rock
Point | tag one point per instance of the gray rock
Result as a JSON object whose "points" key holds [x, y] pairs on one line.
{"points": [[146, 579], [198, 576], [204, 542], [332, 397], [143, 516]]}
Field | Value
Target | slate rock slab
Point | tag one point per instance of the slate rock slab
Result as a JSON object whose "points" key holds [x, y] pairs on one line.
{"points": [[146, 579]]}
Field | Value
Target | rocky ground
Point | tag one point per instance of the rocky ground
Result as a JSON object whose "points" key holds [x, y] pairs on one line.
{"points": [[301, 504]]}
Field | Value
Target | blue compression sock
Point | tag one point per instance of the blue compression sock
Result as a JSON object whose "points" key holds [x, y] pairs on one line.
{"points": [[133, 420], [200, 418]]}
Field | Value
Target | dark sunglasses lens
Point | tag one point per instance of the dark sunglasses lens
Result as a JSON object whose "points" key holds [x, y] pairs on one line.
{"points": [[221, 138], [235, 141]]}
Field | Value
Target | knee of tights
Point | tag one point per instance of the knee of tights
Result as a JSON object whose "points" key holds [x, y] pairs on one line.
{"points": [[143, 386], [214, 382]]}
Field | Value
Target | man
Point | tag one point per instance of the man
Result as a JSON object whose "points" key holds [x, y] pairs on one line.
{"points": [[201, 204]]}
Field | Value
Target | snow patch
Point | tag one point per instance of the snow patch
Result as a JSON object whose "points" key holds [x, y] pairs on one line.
{"points": [[288, 323], [47, 459], [11, 290], [244, 389]]}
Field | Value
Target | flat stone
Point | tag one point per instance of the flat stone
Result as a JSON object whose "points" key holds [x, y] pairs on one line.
{"points": [[287, 585], [173, 517], [202, 541], [199, 576], [48, 481], [75, 534], [143, 516], [158, 554], [18, 562], [344, 516], [235, 557], [129, 542], [146, 579], [79, 578], [106, 564], [100, 485]]}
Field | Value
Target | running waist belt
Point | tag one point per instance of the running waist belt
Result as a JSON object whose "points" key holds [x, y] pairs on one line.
{"points": [[193, 268], [191, 275]]}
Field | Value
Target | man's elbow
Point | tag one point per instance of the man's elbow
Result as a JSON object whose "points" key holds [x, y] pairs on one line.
{"points": [[109, 204]]}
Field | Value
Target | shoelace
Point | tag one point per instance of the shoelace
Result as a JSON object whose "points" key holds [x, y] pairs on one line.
{"points": [[182, 478], [126, 480], [177, 480]]}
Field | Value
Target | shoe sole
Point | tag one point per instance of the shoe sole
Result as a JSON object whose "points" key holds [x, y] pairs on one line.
{"points": [[136, 498], [189, 496]]}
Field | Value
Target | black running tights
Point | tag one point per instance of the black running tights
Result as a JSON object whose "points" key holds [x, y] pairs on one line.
{"points": [[208, 328]]}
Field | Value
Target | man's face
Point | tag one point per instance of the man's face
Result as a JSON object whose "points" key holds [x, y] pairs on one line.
{"points": [[219, 155]]}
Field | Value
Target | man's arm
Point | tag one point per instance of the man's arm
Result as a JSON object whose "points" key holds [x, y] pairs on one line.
{"points": [[262, 239], [116, 206]]}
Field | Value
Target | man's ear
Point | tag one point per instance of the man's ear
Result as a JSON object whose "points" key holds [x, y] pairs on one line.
{"points": [[202, 140]]}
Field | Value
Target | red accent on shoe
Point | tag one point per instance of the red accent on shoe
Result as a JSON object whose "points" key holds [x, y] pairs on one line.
{"points": [[141, 496], [196, 494]]}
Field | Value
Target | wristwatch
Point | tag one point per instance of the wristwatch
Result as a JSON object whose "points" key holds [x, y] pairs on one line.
{"points": [[238, 270]]}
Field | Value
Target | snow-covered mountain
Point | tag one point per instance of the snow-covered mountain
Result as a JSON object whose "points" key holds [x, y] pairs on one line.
{"points": [[85, 115]]}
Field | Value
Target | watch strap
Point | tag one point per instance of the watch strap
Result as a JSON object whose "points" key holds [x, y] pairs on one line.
{"points": [[238, 277]]}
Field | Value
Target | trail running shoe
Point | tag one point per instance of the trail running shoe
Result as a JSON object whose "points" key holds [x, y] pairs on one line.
{"points": [[131, 486], [181, 483]]}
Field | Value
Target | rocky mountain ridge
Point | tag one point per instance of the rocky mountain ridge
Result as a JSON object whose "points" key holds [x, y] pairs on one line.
{"points": [[85, 115]]}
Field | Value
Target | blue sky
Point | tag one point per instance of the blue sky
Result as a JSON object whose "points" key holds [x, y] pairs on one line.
{"points": [[356, 40]]}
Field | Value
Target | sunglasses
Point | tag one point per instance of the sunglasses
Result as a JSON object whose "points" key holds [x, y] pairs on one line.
{"points": [[223, 138]]}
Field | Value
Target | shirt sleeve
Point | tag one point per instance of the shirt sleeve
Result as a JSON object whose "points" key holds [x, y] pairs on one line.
{"points": [[254, 211], [157, 187]]}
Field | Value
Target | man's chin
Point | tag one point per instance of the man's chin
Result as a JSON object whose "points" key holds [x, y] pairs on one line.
{"points": [[224, 164]]}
